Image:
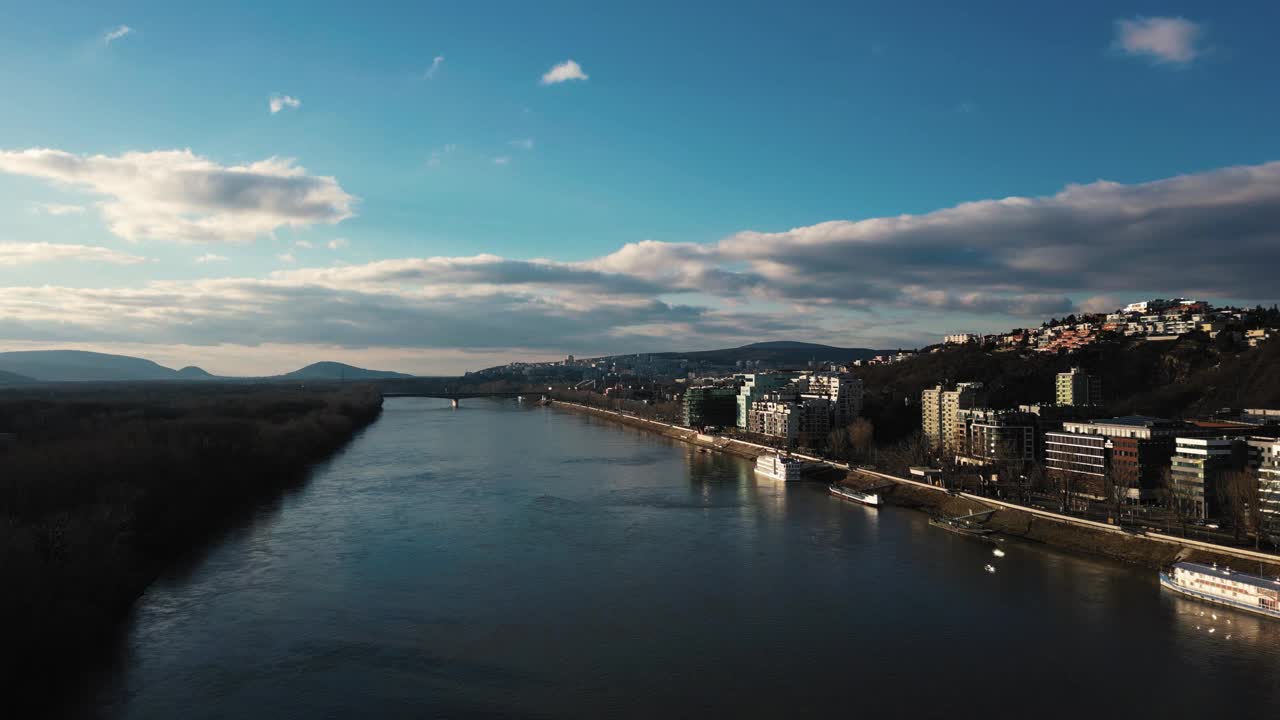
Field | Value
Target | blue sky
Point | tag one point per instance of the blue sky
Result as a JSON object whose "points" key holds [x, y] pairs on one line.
{"points": [[695, 123]]}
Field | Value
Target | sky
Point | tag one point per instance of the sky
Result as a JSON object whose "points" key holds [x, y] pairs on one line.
{"points": [[440, 187]]}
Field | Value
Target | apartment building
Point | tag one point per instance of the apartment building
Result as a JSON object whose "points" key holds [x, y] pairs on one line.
{"points": [[754, 387], [938, 414], [997, 436], [1077, 387], [787, 416], [843, 390]]}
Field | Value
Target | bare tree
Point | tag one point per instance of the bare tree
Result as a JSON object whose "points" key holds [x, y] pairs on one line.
{"points": [[1238, 496], [838, 443], [861, 434]]}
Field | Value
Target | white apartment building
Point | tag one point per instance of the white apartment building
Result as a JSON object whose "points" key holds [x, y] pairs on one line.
{"points": [[843, 390]]}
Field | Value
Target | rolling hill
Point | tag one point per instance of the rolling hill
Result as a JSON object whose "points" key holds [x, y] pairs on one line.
{"points": [[339, 371], [8, 378], [78, 365]]}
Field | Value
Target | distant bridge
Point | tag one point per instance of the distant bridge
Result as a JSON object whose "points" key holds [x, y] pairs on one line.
{"points": [[454, 397]]}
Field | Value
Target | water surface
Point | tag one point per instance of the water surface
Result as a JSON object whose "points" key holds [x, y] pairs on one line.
{"points": [[507, 561]]}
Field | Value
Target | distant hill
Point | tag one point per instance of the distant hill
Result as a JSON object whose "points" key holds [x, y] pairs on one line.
{"points": [[8, 378], [339, 371], [30, 366], [78, 365], [778, 352], [191, 372]]}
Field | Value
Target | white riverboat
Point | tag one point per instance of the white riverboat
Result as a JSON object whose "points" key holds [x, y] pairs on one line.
{"points": [[1224, 586], [780, 467], [866, 498]]}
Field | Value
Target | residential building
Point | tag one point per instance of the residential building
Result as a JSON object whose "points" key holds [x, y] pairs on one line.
{"points": [[1129, 426], [939, 420], [785, 415], [843, 390], [991, 437], [959, 339], [1261, 416], [1077, 387], [710, 405], [1077, 461], [1197, 470], [754, 387]]}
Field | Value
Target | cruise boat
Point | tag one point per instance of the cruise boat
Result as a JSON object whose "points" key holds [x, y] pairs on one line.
{"points": [[1224, 586], [848, 493], [779, 467]]}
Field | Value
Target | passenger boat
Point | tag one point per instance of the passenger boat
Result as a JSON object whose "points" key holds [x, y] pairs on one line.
{"points": [[1224, 586], [779, 467], [866, 498]]}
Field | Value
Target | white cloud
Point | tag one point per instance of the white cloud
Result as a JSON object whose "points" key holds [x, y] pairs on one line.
{"points": [[305, 244], [436, 62], [339, 244], [286, 258], [522, 143], [437, 156], [563, 72], [1167, 40], [279, 102], [177, 195], [57, 209], [211, 258], [502, 160], [12, 254], [117, 33]]}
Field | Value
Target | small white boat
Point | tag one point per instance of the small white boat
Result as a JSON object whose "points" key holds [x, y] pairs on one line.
{"points": [[990, 568], [998, 552], [857, 496]]}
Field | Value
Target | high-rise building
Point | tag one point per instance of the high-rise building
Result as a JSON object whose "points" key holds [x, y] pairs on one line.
{"points": [[754, 387], [938, 414], [1078, 388]]}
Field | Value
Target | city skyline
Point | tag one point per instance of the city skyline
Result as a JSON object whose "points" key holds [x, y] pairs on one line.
{"points": [[429, 193]]}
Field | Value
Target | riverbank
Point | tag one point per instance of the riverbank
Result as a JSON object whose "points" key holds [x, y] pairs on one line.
{"points": [[105, 489], [1057, 531]]}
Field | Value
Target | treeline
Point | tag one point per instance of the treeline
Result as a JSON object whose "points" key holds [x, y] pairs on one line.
{"points": [[102, 489]]}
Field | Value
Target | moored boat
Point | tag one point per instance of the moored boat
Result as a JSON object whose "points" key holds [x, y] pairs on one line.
{"points": [[866, 498], [961, 526], [1224, 586], [780, 467]]}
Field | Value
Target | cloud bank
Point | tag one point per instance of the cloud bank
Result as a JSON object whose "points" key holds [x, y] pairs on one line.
{"points": [[176, 195], [1012, 261], [13, 254]]}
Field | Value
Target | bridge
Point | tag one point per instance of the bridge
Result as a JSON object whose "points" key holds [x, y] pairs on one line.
{"points": [[454, 397]]}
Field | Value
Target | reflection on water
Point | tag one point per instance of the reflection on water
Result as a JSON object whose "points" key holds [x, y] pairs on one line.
{"points": [[508, 561]]}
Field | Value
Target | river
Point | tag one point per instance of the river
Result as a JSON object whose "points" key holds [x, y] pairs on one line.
{"points": [[501, 560]]}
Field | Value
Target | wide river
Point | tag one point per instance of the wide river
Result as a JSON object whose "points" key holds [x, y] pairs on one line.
{"points": [[507, 561]]}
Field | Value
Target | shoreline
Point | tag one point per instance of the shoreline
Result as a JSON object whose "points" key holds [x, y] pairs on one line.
{"points": [[1063, 532]]}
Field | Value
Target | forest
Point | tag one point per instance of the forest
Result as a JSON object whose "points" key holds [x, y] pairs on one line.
{"points": [[103, 488]]}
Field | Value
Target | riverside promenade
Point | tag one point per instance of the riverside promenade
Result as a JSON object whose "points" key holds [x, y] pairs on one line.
{"points": [[1175, 548]]}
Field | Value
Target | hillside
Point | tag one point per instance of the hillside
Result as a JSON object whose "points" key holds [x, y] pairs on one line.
{"points": [[8, 378], [1188, 377], [781, 352], [78, 365], [339, 371]]}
